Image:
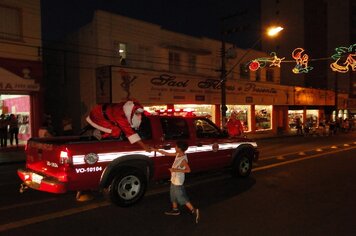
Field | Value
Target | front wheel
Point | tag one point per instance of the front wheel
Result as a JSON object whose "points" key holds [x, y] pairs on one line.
{"points": [[127, 187], [243, 164]]}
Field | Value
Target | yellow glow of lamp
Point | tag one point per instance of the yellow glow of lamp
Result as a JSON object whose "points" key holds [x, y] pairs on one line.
{"points": [[273, 31]]}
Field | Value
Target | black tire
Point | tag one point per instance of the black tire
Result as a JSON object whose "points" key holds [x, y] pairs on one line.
{"points": [[127, 187], [242, 166]]}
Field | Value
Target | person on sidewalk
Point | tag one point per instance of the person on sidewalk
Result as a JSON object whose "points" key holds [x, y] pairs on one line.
{"points": [[3, 130], [177, 191], [14, 130], [234, 125], [299, 126]]}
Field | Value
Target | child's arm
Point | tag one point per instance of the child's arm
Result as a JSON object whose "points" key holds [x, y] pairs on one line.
{"points": [[186, 169], [164, 152]]}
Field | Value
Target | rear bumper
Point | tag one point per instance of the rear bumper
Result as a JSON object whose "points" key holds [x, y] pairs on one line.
{"points": [[41, 183]]}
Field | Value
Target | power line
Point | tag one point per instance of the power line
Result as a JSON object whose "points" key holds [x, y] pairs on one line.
{"points": [[66, 44]]}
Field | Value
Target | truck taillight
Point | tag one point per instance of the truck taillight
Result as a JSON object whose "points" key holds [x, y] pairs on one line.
{"points": [[64, 157]]}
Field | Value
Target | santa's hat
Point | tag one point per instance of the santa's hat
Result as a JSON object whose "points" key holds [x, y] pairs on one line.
{"points": [[130, 108]]}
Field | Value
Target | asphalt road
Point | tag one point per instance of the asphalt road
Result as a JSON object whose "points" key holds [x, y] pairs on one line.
{"points": [[301, 186]]}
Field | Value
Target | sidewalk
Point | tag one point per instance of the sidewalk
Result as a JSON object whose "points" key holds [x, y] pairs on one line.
{"points": [[12, 155]]}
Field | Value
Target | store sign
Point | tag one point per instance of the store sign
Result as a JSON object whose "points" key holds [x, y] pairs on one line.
{"points": [[12, 82], [171, 88], [309, 96], [103, 81]]}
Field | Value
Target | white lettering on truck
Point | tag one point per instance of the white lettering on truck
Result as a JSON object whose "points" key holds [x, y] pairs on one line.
{"points": [[88, 169]]}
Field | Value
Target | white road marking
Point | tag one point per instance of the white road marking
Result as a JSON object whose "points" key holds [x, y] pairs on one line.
{"points": [[51, 216], [27, 204], [300, 159]]}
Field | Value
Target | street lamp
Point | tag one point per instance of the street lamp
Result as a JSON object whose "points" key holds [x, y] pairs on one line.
{"points": [[271, 32], [274, 30]]}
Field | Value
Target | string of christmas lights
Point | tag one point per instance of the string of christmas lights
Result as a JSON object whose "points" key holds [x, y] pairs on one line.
{"points": [[345, 60]]}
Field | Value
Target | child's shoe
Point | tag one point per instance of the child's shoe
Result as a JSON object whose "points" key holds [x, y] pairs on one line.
{"points": [[173, 212]]}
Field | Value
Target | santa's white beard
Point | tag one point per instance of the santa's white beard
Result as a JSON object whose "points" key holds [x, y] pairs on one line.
{"points": [[136, 121]]}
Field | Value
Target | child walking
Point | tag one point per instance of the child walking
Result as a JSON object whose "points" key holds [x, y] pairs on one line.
{"points": [[177, 191]]}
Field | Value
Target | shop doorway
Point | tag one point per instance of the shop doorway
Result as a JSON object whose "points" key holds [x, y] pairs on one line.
{"points": [[19, 106], [293, 116]]}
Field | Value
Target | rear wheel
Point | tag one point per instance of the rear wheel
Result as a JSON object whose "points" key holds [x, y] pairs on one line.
{"points": [[243, 164], [128, 187]]}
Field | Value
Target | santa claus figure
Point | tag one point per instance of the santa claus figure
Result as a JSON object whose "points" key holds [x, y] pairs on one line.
{"points": [[234, 125], [114, 118]]}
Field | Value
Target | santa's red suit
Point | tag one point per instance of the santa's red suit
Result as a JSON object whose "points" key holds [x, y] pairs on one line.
{"points": [[115, 118]]}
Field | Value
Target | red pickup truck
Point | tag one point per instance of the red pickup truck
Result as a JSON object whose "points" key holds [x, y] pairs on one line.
{"points": [[80, 163]]}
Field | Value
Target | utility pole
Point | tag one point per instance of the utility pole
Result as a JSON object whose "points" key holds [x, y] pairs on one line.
{"points": [[223, 63], [336, 97], [272, 32], [223, 77]]}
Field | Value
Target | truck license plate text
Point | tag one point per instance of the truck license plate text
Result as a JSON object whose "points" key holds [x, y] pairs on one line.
{"points": [[88, 169]]}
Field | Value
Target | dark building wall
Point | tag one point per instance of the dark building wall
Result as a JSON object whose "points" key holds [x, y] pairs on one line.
{"points": [[353, 41], [316, 42]]}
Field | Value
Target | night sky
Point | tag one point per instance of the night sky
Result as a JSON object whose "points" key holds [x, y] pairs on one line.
{"points": [[192, 17]]}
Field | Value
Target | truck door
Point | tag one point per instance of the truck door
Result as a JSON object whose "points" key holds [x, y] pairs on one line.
{"points": [[207, 154], [173, 129]]}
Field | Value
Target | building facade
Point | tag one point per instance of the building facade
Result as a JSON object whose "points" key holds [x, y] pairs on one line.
{"points": [[114, 58], [319, 27], [21, 64]]}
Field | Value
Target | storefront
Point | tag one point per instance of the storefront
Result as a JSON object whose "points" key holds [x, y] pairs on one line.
{"points": [[20, 95], [351, 105], [310, 105], [243, 114], [261, 106]]}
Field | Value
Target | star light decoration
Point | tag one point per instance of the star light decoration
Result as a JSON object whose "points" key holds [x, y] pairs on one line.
{"points": [[263, 61], [301, 60], [341, 65]]}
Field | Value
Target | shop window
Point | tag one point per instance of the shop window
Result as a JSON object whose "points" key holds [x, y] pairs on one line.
{"points": [[263, 116], [258, 75], [10, 23], [20, 106], [154, 108], [206, 129], [244, 72], [243, 114], [270, 75], [145, 57], [174, 128], [312, 119], [197, 109], [174, 61], [120, 52], [192, 63], [293, 116]]}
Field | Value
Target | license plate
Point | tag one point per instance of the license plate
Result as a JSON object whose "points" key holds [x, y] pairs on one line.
{"points": [[36, 178]]}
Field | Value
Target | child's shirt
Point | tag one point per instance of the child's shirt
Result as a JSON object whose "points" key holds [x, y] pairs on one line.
{"points": [[177, 178]]}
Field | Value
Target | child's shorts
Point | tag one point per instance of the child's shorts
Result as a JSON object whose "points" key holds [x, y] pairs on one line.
{"points": [[178, 194]]}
